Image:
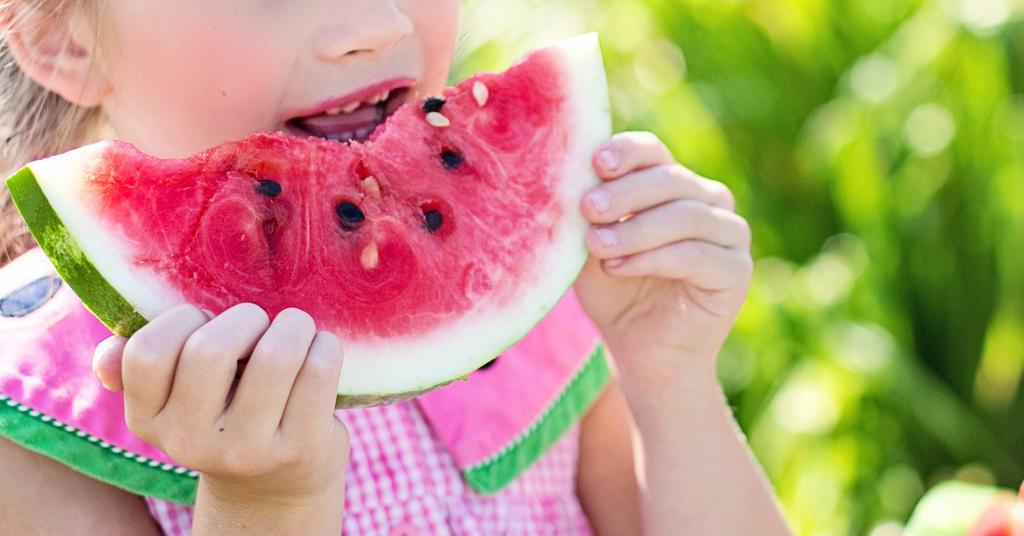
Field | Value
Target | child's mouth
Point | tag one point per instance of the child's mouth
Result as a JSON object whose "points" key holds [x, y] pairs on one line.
{"points": [[355, 120]]}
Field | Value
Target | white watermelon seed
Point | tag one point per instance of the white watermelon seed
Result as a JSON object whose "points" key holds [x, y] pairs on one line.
{"points": [[370, 257], [481, 93], [438, 120], [371, 187]]}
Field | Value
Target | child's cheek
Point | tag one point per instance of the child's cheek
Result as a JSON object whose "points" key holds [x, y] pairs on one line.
{"points": [[186, 77], [437, 28]]}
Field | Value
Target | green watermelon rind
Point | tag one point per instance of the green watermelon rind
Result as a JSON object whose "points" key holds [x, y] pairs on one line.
{"points": [[67, 257]]}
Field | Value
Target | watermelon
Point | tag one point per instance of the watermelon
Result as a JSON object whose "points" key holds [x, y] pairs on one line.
{"points": [[962, 509], [429, 247]]}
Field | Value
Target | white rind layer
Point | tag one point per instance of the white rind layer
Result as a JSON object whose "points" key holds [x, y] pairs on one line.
{"points": [[410, 365], [62, 179]]}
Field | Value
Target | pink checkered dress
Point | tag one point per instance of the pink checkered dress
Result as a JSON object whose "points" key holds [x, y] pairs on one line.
{"points": [[402, 481]]}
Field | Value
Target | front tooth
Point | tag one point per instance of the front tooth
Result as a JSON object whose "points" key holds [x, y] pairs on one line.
{"points": [[334, 111], [351, 107]]}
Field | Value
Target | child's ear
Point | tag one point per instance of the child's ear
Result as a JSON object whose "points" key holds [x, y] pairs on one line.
{"points": [[57, 51]]}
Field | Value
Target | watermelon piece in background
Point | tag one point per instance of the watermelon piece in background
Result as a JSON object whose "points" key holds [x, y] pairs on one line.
{"points": [[429, 249], [962, 509]]}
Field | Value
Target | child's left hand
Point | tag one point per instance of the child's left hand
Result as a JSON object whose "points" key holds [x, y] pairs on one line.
{"points": [[664, 286]]}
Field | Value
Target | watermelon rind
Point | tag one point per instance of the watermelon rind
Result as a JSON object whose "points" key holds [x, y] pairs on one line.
{"points": [[67, 257], [96, 265]]}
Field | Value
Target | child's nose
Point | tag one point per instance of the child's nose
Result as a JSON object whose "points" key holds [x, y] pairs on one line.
{"points": [[367, 26]]}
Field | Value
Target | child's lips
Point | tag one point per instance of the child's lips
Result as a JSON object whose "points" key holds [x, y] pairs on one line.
{"points": [[353, 121]]}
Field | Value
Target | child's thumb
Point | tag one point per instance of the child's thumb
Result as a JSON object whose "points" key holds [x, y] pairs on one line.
{"points": [[106, 363]]}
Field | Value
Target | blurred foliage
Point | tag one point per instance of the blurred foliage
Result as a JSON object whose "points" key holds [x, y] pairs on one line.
{"points": [[875, 146]]}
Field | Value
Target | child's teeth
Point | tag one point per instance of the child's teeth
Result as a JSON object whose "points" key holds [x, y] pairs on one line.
{"points": [[351, 107], [334, 111]]}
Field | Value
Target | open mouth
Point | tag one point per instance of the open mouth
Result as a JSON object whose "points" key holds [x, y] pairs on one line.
{"points": [[356, 120]]}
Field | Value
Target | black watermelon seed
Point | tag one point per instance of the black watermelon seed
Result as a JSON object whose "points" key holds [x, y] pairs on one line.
{"points": [[350, 215], [451, 159], [433, 104], [433, 219], [268, 188]]}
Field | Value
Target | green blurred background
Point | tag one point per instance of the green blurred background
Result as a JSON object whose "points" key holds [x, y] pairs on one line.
{"points": [[876, 147]]}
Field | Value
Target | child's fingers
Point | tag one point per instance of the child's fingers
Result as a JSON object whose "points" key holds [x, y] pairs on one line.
{"points": [[207, 366], [263, 391], [106, 363], [641, 190], [628, 152], [704, 265], [315, 392], [666, 224], [150, 358]]}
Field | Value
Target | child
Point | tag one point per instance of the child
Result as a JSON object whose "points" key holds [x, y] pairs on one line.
{"points": [[656, 453]]}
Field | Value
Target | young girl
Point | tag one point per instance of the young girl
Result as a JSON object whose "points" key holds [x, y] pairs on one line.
{"points": [[657, 452]]}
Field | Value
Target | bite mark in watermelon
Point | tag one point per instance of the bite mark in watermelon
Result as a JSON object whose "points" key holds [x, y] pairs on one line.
{"points": [[429, 249]]}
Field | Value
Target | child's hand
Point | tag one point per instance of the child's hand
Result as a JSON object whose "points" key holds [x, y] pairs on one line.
{"points": [[665, 286], [265, 435]]}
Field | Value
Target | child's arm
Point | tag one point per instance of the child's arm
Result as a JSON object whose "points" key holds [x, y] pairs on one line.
{"points": [[41, 496], [700, 476], [270, 453], [607, 480], [670, 272]]}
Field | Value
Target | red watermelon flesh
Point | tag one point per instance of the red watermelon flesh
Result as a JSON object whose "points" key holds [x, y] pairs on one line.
{"points": [[429, 248], [1004, 516]]}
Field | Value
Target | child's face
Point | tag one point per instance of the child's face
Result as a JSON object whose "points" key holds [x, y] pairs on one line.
{"points": [[188, 74]]}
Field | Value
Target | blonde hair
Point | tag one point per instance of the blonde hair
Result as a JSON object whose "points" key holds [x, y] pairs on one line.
{"points": [[34, 122]]}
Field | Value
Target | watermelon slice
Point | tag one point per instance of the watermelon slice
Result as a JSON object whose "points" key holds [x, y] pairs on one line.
{"points": [[962, 509], [430, 248]]}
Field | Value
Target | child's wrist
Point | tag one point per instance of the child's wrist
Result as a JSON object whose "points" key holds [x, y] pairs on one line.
{"points": [[224, 507], [661, 393], [660, 371]]}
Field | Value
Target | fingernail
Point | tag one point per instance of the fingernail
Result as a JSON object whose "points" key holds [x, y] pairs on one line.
{"points": [[101, 349], [209, 314], [600, 200], [608, 159], [614, 263], [607, 237]]}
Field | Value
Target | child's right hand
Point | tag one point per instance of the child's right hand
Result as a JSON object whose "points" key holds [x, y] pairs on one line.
{"points": [[273, 438]]}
